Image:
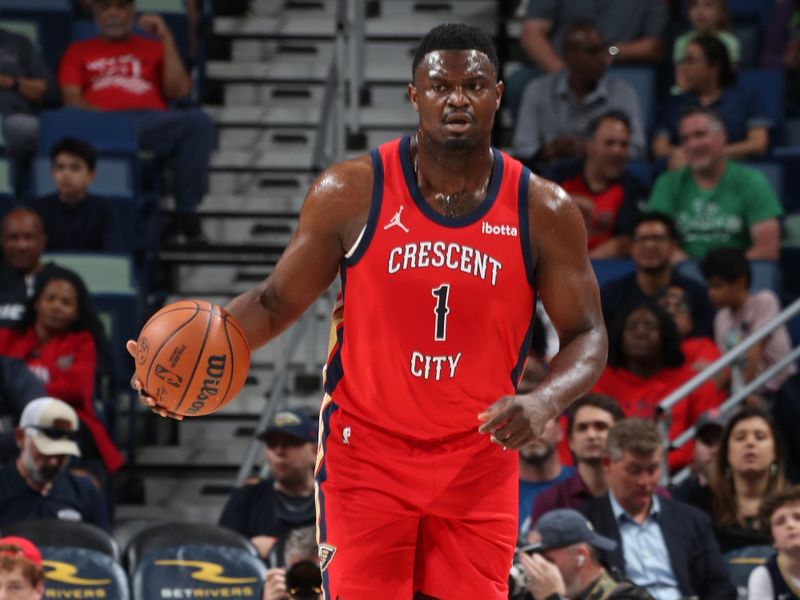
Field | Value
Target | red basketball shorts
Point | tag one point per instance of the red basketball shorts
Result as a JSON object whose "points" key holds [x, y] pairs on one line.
{"points": [[397, 517]]}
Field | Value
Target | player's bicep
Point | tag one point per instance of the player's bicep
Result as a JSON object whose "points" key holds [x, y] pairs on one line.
{"points": [[565, 280]]}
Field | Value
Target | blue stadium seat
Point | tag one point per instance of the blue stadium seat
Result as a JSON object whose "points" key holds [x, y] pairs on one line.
{"points": [[51, 16], [643, 81], [789, 157], [769, 85], [742, 561], [791, 132], [609, 269], [114, 178], [82, 573], [119, 315], [644, 170], [63, 533], [749, 35], [773, 171], [765, 274], [111, 133], [751, 10]]}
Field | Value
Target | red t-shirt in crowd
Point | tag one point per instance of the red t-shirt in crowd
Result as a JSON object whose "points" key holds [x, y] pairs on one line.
{"points": [[639, 397], [124, 75]]}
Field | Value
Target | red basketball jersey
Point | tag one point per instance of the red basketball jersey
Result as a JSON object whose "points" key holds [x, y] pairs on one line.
{"points": [[435, 313]]}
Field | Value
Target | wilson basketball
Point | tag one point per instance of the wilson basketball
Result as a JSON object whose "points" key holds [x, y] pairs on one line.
{"points": [[192, 357]]}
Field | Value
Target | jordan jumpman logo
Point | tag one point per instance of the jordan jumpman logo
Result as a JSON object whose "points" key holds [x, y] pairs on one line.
{"points": [[396, 221]]}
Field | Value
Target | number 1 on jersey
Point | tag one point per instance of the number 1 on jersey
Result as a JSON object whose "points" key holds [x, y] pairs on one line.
{"points": [[441, 310]]}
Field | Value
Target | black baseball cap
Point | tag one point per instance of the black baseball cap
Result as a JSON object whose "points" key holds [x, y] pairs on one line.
{"points": [[564, 527], [291, 423]]}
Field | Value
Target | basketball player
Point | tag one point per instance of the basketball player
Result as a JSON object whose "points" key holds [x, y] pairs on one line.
{"points": [[442, 244]]}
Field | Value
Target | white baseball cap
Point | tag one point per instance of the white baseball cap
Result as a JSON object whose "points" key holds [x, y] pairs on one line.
{"points": [[52, 424]]}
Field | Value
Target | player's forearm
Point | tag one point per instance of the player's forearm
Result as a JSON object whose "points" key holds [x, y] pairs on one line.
{"points": [[262, 315], [575, 369]]}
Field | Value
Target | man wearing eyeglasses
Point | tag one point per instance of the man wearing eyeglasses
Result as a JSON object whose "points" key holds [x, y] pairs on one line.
{"points": [[38, 485], [655, 237], [267, 511]]}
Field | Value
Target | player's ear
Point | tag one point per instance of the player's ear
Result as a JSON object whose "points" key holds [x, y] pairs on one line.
{"points": [[412, 95], [499, 89]]}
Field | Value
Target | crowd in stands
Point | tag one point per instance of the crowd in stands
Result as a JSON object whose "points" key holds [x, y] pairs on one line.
{"points": [[676, 189]]}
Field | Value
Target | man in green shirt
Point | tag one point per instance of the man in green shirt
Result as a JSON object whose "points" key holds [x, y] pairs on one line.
{"points": [[716, 202]]}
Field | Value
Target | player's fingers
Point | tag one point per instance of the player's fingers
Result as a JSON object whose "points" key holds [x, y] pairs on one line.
{"points": [[494, 409], [501, 419], [131, 346]]}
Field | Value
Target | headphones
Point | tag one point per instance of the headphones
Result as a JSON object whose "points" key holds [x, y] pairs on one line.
{"points": [[581, 560]]}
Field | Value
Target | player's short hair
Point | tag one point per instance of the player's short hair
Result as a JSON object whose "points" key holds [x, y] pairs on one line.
{"points": [[614, 114], [776, 500], [728, 264], [633, 435], [75, 147], [601, 401], [455, 36]]}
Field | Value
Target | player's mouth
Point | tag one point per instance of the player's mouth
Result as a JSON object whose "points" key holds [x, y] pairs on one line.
{"points": [[458, 122]]}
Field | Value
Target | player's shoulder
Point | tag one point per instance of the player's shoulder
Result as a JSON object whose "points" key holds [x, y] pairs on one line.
{"points": [[343, 184], [547, 199]]}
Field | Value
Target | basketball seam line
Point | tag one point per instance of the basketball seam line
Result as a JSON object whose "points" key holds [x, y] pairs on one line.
{"points": [[232, 372], [166, 341], [197, 362]]}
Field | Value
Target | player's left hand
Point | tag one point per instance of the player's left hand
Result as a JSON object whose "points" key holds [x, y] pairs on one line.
{"points": [[516, 421], [543, 579]]}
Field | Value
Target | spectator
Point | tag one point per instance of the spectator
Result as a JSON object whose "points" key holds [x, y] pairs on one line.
{"points": [[708, 433], [301, 579], [608, 195], [663, 545], [267, 511], [24, 83], [539, 469], [698, 351], [123, 71], [780, 577], [741, 314], [708, 17], [655, 240], [645, 364], [589, 420], [23, 241], [781, 50], [634, 29], [717, 202], [557, 108], [750, 465], [38, 485], [21, 573], [18, 386], [74, 219], [56, 342], [708, 80], [564, 563]]}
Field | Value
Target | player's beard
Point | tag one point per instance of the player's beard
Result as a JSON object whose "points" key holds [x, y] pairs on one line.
{"points": [[459, 144]]}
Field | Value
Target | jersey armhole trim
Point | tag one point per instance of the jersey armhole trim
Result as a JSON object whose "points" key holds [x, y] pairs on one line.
{"points": [[365, 237], [524, 225]]}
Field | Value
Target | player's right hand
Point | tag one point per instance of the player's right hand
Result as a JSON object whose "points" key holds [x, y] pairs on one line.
{"points": [[144, 398]]}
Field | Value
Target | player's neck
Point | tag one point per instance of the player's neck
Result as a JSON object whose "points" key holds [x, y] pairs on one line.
{"points": [[453, 182]]}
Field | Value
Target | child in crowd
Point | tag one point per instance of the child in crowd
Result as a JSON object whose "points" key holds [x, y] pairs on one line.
{"points": [[780, 577], [708, 17], [21, 573], [74, 219]]}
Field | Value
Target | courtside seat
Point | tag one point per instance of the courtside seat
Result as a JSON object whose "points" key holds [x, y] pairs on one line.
{"points": [[194, 556], [110, 133], [83, 573], [126, 530], [59, 533]]}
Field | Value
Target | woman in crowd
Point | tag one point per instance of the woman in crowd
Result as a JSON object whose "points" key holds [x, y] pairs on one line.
{"points": [[750, 465], [55, 341], [645, 364], [708, 79]]}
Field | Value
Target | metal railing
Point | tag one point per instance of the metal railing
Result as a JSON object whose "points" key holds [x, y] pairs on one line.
{"points": [[665, 406]]}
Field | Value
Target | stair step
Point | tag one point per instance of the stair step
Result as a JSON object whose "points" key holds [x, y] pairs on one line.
{"points": [[310, 95], [399, 117]]}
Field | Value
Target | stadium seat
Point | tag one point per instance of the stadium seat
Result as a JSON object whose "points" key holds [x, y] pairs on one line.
{"points": [[114, 178], [51, 16], [644, 170], [750, 11], [102, 273], [126, 530], [742, 561], [111, 133], [773, 171], [769, 85], [82, 573], [119, 314], [25, 28], [643, 81], [765, 274], [791, 132], [609, 269], [69, 534], [185, 534], [749, 35]]}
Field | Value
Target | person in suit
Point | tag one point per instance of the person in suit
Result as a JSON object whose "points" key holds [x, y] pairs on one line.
{"points": [[662, 545]]}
